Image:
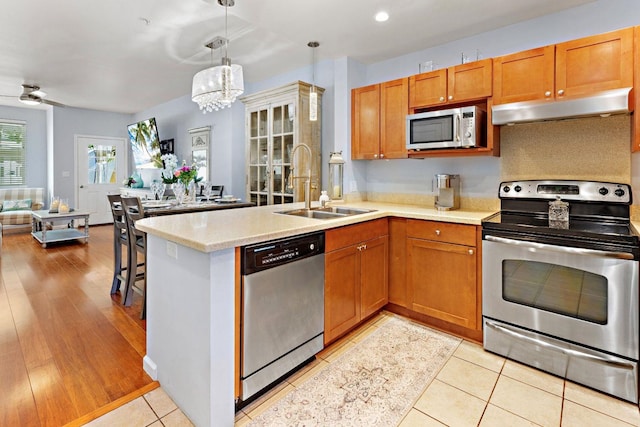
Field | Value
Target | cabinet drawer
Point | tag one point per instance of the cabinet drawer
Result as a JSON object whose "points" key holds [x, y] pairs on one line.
{"points": [[341, 237], [461, 234]]}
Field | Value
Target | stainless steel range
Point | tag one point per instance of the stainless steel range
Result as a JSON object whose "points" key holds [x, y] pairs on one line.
{"points": [[562, 296]]}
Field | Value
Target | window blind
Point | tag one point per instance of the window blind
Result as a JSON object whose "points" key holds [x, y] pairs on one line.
{"points": [[12, 153]]}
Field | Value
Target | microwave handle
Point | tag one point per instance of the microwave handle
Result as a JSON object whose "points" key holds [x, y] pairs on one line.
{"points": [[561, 249], [458, 127]]}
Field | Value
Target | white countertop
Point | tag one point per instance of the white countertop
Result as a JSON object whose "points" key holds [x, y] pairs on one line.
{"points": [[216, 230]]}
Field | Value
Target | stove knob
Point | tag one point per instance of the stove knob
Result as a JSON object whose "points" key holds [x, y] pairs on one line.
{"points": [[506, 188], [619, 192], [517, 189], [603, 191]]}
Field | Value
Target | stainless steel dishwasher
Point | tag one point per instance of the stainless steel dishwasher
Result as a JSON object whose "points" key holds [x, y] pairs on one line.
{"points": [[282, 308]]}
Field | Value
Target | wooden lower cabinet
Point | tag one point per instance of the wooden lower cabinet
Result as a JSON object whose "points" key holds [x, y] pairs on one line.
{"points": [[356, 275], [397, 262], [442, 281], [435, 274]]}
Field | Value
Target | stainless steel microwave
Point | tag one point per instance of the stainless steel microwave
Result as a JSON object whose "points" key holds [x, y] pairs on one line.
{"points": [[453, 128]]}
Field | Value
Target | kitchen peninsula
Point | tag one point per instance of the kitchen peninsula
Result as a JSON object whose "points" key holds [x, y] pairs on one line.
{"points": [[193, 272]]}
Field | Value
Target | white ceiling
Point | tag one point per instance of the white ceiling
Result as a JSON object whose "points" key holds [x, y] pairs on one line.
{"points": [[103, 55]]}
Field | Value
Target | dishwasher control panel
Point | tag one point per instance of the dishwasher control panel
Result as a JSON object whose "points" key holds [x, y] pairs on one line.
{"points": [[271, 254]]}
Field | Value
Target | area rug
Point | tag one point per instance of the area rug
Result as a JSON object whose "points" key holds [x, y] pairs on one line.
{"points": [[374, 383]]}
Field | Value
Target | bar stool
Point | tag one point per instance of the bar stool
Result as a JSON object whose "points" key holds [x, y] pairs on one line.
{"points": [[134, 211], [120, 239]]}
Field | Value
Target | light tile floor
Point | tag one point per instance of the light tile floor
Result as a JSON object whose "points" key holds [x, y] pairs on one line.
{"points": [[474, 388]]}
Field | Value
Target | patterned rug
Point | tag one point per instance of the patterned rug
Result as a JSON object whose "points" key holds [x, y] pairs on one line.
{"points": [[375, 383]]}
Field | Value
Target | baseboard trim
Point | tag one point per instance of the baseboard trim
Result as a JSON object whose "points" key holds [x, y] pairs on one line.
{"points": [[150, 367]]}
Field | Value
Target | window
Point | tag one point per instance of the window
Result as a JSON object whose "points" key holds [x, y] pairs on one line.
{"points": [[12, 153]]}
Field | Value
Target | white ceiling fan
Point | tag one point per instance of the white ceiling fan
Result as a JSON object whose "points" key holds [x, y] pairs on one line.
{"points": [[32, 95]]}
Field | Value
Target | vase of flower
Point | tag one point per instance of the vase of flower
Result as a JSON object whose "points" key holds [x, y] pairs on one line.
{"points": [[187, 176]]}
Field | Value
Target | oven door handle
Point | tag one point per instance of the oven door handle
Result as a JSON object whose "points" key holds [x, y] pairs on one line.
{"points": [[561, 249], [565, 351]]}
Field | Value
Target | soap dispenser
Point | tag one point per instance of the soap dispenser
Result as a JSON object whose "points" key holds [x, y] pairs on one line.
{"points": [[324, 198]]}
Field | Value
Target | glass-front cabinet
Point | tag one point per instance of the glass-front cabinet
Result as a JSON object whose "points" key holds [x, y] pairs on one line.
{"points": [[277, 120]]}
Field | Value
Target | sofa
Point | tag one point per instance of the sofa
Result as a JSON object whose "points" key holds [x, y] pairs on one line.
{"points": [[17, 203]]}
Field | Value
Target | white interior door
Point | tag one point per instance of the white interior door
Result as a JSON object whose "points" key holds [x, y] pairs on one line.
{"points": [[101, 166]]}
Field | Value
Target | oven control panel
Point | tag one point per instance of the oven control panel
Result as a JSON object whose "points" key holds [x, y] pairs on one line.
{"points": [[593, 191]]}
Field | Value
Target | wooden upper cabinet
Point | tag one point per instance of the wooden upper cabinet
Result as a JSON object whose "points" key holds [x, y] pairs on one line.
{"points": [[596, 63], [428, 89], [469, 81], [378, 115], [466, 82], [365, 122], [524, 76], [394, 106], [572, 69]]}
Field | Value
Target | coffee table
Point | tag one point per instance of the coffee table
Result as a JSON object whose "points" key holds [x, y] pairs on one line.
{"points": [[41, 221]]}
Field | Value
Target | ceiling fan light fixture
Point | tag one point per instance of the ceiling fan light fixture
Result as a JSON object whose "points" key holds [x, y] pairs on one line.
{"points": [[218, 87], [30, 100]]}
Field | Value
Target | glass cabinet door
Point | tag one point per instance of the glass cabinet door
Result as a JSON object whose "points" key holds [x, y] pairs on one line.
{"points": [[283, 118], [259, 173]]}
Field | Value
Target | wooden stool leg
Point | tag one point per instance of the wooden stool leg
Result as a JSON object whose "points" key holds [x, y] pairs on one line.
{"points": [[132, 272], [117, 265]]}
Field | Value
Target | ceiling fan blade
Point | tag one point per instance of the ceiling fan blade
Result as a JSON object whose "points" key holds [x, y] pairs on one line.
{"points": [[54, 103]]}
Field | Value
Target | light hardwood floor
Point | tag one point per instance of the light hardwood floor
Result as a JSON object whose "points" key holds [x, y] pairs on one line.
{"points": [[67, 347]]}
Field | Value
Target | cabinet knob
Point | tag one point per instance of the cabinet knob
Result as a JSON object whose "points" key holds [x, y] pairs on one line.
{"points": [[375, 156], [437, 232], [547, 93], [450, 97], [560, 92], [382, 155], [470, 251], [442, 98]]}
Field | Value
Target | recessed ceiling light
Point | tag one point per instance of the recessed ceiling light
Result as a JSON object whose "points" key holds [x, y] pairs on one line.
{"points": [[382, 16]]}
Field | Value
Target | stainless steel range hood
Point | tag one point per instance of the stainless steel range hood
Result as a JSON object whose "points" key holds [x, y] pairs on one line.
{"points": [[617, 101]]}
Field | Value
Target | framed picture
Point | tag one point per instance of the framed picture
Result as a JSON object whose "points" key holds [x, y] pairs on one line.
{"points": [[166, 146], [200, 150]]}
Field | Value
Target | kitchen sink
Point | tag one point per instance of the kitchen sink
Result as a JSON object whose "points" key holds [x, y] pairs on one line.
{"points": [[326, 213], [344, 210]]}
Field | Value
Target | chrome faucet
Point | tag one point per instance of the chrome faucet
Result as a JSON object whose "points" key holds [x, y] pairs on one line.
{"points": [[307, 177]]}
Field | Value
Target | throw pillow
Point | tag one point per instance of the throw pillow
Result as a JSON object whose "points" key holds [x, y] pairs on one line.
{"points": [[16, 205]]}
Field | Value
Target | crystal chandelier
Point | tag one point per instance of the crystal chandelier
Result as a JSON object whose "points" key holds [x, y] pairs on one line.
{"points": [[218, 87]]}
